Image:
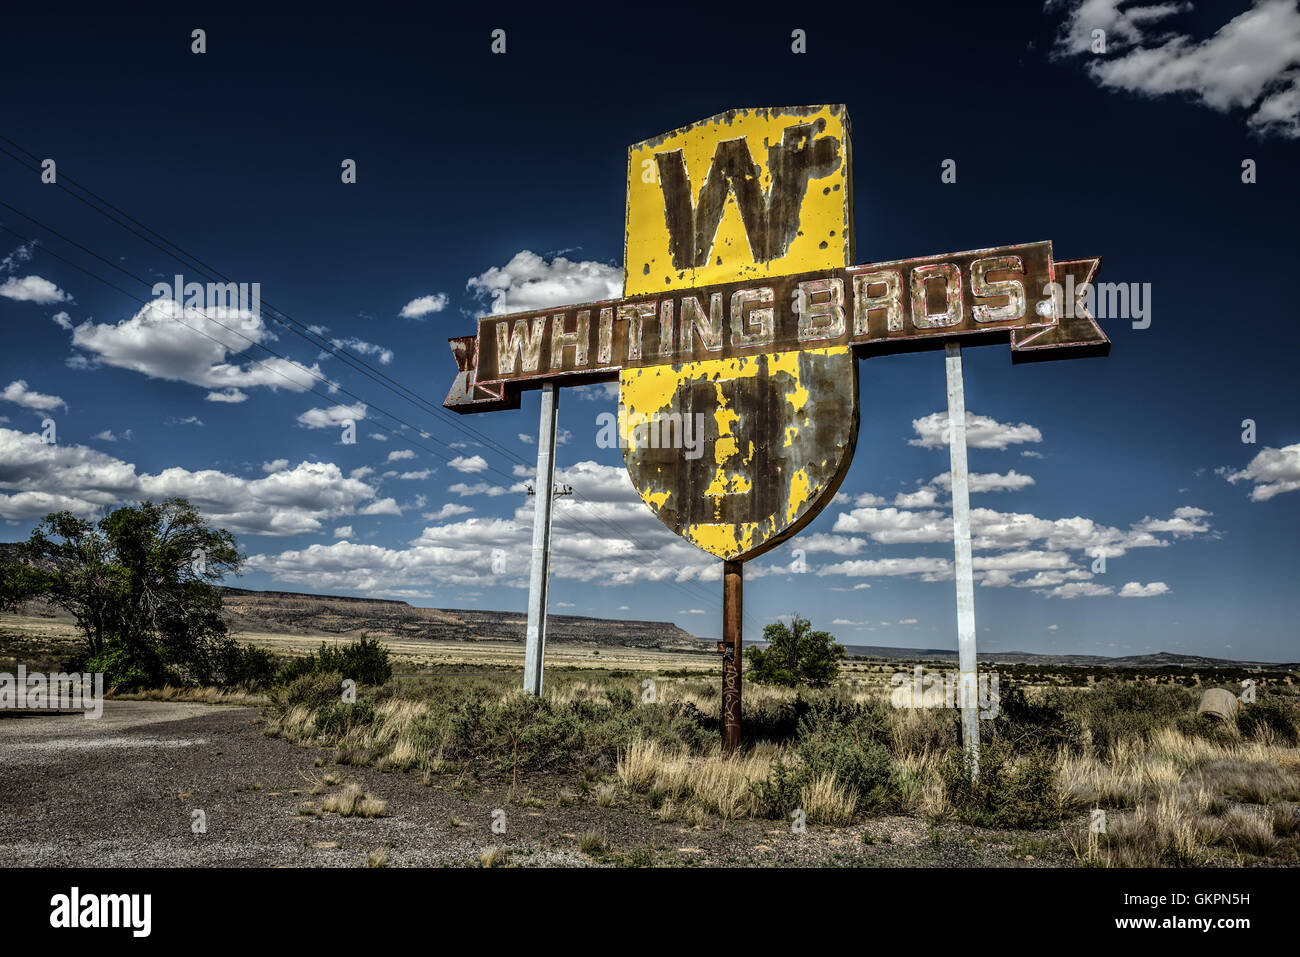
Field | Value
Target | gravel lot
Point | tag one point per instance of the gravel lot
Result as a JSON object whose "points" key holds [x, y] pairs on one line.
{"points": [[121, 791]]}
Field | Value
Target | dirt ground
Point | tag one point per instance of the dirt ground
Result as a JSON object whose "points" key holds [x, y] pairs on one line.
{"points": [[122, 791]]}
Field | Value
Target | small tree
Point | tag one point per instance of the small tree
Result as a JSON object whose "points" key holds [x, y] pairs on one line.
{"points": [[139, 584], [795, 655]]}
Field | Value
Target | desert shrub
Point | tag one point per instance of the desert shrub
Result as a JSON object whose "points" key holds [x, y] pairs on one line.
{"points": [[1207, 728], [1030, 725], [250, 666], [338, 719], [1123, 710], [836, 739], [1273, 713], [313, 690], [1011, 791], [779, 793], [851, 742], [365, 661]]}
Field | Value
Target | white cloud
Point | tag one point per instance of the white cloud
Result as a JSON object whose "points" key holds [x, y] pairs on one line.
{"points": [[525, 438], [62, 320], [923, 497], [165, 341], [383, 506], [277, 465], [343, 531], [449, 510], [1273, 471], [106, 436], [1149, 590], [361, 347], [231, 396], [1012, 481], [1078, 590], [1252, 62], [530, 282], [424, 305], [332, 417], [32, 289], [478, 488], [400, 455], [18, 393], [85, 481], [419, 476], [474, 463], [982, 432]]}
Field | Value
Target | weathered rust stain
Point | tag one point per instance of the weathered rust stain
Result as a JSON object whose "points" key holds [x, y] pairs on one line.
{"points": [[737, 506]]}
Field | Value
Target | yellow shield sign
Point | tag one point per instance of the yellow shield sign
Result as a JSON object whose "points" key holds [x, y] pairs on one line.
{"points": [[737, 454]]}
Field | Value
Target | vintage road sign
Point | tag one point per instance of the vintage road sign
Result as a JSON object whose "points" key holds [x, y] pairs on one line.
{"points": [[742, 320]]}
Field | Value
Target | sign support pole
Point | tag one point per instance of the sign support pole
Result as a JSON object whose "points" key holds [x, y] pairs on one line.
{"points": [[968, 669], [732, 587], [540, 571]]}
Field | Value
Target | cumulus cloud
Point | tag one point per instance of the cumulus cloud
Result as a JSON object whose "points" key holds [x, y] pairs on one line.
{"points": [[62, 320], [424, 306], [1149, 590], [474, 463], [32, 289], [982, 432], [343, 531], [1273, 471], [605, 537], [44, 477], [400, 455], [18, 393], [1012, 481], [333, 417], [166, 341], [530, 282], [361, 347], [1251, 63]]}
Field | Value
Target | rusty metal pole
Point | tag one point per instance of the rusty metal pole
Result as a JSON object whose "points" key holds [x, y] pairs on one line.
{"points": [[540, 572], [968, 676], [732, 587]]}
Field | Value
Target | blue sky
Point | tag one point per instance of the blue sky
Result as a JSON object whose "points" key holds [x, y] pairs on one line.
{"points": [[496, 182]]}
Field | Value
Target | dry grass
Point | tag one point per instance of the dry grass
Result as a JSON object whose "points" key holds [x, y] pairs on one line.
{"points": [[352, 801], [494, 856], [711, 783], [377, 858], [825, 801], [201, 695], [593, 842]]}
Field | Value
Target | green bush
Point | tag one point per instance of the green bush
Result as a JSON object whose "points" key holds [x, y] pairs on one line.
{"points": [[1030, 725], [1010, 792], [1274, 713], [365, 661], [338, 719], [124, 669], [314, 690], [250, 666], [1122, 710]]}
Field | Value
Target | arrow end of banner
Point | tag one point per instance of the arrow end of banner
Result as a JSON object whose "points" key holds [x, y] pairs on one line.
{"points": [[466, 395], [1074, 334]]}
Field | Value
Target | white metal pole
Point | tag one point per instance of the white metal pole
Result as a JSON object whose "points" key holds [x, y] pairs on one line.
{"points": [[968, 675], [540, 572]]}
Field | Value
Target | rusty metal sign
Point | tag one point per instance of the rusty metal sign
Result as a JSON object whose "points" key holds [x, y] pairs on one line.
{"points": [[743, 317], [737, 338]]}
